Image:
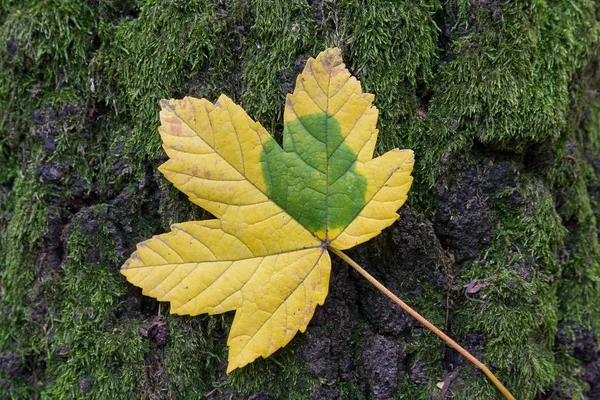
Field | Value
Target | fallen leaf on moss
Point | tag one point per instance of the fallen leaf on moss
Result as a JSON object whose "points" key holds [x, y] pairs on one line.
{"points": [[156, 330], [475, 286], [278, 209]]}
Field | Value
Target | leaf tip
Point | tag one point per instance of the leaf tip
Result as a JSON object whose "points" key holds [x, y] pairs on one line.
{"points": [[166, 105], [332, 56]]}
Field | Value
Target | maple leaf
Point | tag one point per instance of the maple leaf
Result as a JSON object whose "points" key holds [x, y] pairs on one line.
{"points": [[279, 209]]}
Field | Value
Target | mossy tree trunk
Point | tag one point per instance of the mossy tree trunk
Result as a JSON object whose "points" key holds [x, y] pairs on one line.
{"points": [[498, 244]]}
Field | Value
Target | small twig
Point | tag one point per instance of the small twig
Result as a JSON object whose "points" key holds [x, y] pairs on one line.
{"points": [[472, 299], [426, 323], [447, 382]]}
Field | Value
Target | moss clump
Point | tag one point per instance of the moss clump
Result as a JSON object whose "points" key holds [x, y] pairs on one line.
{"points": [[168, 46], [517, 309], [90, 352], [274, 53], [371, 37], [18, 269], [507, 76], [42, 63], [576, 186], [284, 377], [193, 361]]}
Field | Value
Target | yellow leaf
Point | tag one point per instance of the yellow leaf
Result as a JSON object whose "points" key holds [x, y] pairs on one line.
{"points": [[278, 209]]}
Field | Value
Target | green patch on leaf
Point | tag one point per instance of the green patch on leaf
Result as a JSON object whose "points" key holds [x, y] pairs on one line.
{"points": [[313, 147]]}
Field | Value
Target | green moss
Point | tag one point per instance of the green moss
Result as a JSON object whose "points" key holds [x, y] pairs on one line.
{"points": [[282, 33], [412, 391], [576, 186], [43, 54], [51, 38], [395, 70], [154, 56], [193, 359], [572, 175], [518, 312], [43, 50], [18, 267], [427, 348], [452, 80], [175, 207], [282, 376], [507, 79], [85, 340]]}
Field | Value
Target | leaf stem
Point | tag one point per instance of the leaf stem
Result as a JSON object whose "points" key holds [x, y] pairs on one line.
{"points": [[426, 323]]}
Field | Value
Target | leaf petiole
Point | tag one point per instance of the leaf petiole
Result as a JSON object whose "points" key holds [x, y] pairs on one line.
{"points": [[426, 323]]}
